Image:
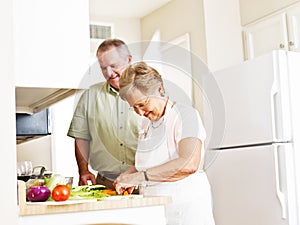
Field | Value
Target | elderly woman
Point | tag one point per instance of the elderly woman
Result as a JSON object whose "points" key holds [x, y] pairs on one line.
{"points": [[170, 149]]}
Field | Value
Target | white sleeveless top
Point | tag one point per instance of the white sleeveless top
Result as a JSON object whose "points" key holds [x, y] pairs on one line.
{"points": [[158, 143]]}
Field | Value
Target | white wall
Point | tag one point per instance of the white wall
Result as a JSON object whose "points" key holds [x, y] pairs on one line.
{"points": [[63, 154], [8, 183], [214, 29], [175, 19], [223, 33], [38, 151], [127, 29]]}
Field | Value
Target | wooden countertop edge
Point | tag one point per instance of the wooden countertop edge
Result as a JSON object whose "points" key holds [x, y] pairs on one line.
{"points": [[27, 210]]}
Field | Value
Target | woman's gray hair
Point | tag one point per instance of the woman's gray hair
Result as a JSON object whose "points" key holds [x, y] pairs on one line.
{"points": [[143, 77]]}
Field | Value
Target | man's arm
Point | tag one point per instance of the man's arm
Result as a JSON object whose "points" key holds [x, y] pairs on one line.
{"points": [[82, 149]]}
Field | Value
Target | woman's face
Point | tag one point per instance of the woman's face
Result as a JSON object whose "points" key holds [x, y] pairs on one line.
{"points": [[151, 106]]}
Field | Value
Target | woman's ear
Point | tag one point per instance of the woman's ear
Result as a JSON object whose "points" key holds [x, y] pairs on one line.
{"points": [[161, 91]]}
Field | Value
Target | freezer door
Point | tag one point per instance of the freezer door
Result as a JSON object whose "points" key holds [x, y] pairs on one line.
{"points": [[256, 101], [254, 186]]}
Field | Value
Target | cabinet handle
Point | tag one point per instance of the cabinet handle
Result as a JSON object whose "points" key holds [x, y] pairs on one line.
{"points": [[291, 43], [281, 46]]}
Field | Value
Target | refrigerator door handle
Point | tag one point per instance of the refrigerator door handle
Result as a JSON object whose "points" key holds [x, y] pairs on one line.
{"points": [[280, 194], [274, 92]]}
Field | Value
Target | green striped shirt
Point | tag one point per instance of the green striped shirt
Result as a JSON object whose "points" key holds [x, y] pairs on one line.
{"points": [[104, 119]]}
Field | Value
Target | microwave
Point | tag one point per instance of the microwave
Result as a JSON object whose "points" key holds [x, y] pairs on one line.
{"points": [[30, 126]]}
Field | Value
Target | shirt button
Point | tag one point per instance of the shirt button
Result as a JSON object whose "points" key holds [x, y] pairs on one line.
{"points": [[121, 144]]}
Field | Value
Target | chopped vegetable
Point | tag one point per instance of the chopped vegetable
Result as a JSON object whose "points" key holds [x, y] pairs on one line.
{"points": [[87, 188], [109, 192], [95, 191]]}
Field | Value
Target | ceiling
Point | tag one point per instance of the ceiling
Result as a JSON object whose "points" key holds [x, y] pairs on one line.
{"points": [[125, 8]]}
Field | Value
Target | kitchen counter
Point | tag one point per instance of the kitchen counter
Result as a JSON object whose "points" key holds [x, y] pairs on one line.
{"points": [[112, 211]]}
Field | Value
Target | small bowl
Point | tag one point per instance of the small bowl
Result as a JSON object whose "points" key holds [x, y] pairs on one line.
{"points": [[69, 181]]}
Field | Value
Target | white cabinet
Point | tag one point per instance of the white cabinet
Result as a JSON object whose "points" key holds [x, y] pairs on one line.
{"points": [[293, 21], [252, 10], [126, 216], [279, 31], [51, 40]]}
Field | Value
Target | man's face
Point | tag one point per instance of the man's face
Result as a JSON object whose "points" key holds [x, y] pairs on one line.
{"points": [[112, 65]]}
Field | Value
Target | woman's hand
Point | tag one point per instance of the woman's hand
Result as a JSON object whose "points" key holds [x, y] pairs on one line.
{"points": [[128, 182], [121, 185], [124, 191]]}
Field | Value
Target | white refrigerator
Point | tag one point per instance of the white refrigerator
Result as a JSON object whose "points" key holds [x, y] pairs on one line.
{"points": [[254, 171]]}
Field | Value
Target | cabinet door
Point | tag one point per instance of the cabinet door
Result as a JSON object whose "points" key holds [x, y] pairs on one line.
{"points": [[51, 43], [293, 18], [265, 36], [252, 10]]}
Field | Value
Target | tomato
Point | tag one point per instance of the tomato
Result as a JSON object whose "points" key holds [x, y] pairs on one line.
{"points": [[60, 193]]}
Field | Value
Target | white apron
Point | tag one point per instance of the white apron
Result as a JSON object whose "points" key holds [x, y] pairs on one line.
{"points": [[192, 202]]}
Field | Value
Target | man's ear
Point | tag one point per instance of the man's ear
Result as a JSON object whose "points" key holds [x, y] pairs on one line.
{"points": [[129, 58]]}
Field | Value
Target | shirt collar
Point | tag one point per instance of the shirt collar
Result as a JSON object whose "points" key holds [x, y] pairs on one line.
{"points": [[111, 90]]}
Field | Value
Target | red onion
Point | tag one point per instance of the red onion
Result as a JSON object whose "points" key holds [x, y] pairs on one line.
{"points": [[38, 193]]}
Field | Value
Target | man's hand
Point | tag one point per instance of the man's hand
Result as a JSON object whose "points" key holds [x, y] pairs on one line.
{"points": [[85, 177]]}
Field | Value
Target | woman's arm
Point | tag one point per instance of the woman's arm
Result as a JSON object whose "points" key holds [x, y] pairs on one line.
{"points": [[187, 163], [131, 169]]}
